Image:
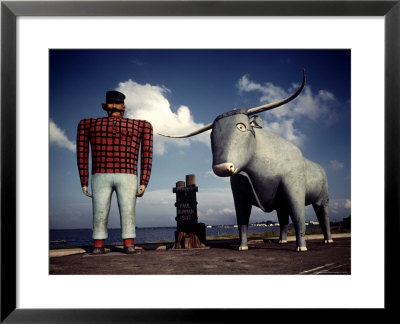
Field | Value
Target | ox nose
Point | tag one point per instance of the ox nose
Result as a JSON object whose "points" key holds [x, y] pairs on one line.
{"points": [[224, 169]]}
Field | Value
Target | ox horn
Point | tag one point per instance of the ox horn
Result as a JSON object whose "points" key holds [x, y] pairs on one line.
{"points": [[250, 111], [278, 103], [200, 130]]}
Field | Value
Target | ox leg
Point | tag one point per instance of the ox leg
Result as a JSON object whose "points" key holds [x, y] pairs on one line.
{"points": [[243, 204], [296, 200], [322, 212], [295, 193], [242, 215], [283, 217], [298, 219]]}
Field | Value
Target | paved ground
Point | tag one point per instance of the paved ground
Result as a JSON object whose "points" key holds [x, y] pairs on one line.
{"points": [[221, 257]]}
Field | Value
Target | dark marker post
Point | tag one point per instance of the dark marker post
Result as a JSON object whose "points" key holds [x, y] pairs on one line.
{"points": [[189, 234]]}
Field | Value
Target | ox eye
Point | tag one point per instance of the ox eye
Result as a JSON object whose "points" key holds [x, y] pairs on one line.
{"points": [[241, 127]]}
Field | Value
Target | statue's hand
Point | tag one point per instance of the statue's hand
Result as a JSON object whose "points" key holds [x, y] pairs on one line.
{"points": [[140, 191], [86, 192]]}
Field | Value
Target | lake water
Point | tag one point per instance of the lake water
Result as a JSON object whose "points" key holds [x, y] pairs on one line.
{"points": [[83, 237]]}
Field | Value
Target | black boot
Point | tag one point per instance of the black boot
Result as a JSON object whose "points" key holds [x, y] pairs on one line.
{"points": [[98, 251], [129, 249]]}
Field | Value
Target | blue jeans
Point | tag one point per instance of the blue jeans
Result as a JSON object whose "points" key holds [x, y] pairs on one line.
{"points": [[125, 186]]}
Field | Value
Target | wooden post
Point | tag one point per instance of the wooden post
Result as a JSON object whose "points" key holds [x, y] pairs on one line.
{"points": [[189, 234], [191, 180], [180, 184]]}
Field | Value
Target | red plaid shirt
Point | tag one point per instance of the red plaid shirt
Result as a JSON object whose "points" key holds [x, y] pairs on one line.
{"points": [[115, 144]]}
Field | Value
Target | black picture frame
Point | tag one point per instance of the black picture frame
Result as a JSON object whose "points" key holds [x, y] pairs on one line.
{"points": [[10, 10]]}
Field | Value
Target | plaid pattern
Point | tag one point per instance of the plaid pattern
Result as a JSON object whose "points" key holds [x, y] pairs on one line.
{"points": [[115, 144]]}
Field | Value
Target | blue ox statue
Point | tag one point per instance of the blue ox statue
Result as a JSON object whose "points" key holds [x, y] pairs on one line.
{"points": [[267, 171]]}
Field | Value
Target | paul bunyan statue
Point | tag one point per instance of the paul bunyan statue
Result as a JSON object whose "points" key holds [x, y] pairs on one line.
{"points": [[115, 144]]}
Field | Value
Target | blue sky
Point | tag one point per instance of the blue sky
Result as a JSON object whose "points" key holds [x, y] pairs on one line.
{"points": [[181, 90]]}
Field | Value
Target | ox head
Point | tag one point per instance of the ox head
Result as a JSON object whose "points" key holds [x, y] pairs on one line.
{"points": [[233, 141], [233, 135]]}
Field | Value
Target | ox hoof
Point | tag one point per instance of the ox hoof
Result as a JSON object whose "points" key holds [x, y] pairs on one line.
{"points": [[301, 249], [282, 241], [243, 248], [328, 241]]}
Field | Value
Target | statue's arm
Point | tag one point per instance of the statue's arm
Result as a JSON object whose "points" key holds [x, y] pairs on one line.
{"points": [[82, 154], [146, 158]]}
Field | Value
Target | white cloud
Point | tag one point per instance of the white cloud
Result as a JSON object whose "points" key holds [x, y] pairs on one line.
{"points": [[215, 206], [307, 104], [335, 165], [157, 198], [223, 211], [58, 138], [286, 130], [149, 102], [158, 207], [340, 207], [316, 107]]}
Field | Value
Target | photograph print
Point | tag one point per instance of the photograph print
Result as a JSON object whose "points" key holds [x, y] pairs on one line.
{"points": [[231, 161]]}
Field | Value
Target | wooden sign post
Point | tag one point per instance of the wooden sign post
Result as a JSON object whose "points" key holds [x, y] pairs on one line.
{"points": [[189, 233]]}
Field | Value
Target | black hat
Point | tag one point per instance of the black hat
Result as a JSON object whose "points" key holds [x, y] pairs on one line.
{"points": [[114, 97]]}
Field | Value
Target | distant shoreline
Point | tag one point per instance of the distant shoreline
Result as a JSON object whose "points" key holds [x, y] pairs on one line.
{"points": [[311, 223], [268, 235]]}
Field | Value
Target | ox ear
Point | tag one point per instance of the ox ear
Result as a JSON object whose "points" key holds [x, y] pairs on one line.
{"points": [[256, 122]]}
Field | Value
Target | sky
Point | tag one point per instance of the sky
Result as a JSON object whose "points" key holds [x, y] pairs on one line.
{"points": [[178, 91]]}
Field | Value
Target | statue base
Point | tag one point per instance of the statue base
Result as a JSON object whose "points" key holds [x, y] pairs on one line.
{"points": [[190, 236]]}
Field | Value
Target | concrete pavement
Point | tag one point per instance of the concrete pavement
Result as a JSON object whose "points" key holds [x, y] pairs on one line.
{"points": [[265, 256]]}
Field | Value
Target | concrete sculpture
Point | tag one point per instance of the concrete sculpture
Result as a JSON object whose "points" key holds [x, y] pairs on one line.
{"points": [[116, 144], [267, 171]]}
